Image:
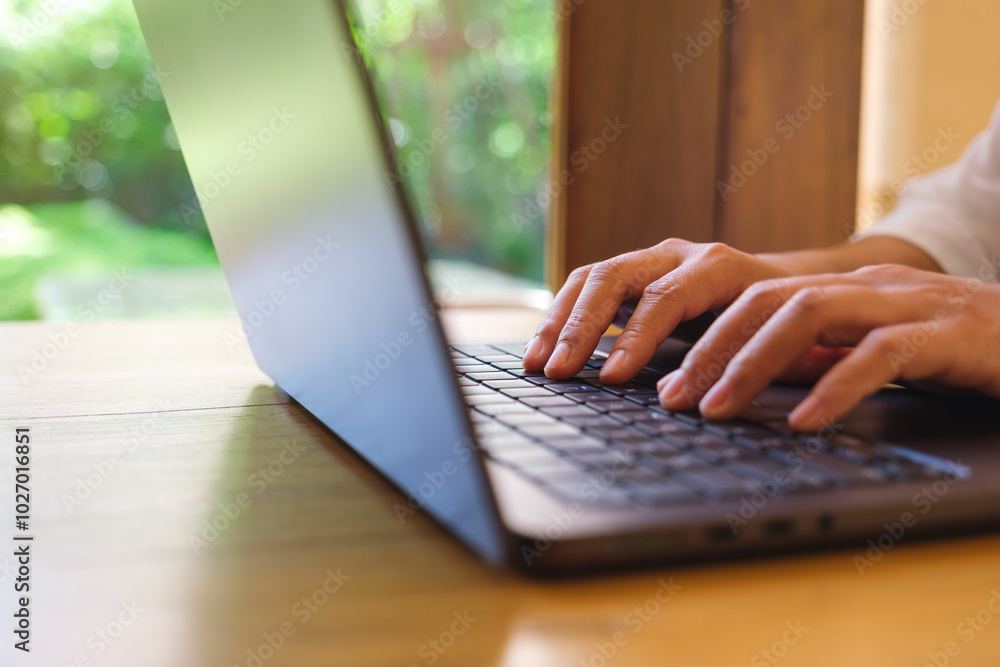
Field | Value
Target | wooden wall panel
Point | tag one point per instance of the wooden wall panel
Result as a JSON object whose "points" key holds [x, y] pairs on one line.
{"points": [[689, 124], [784, 55], [656, 179]]}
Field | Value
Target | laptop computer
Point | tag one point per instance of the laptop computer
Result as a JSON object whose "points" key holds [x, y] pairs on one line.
{"points": [[289, 157]]}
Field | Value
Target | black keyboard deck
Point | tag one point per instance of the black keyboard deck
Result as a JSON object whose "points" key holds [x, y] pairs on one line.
{"points": [[615, 446]]}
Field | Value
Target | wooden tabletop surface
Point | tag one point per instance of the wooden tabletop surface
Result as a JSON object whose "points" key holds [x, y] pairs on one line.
{"points": [[147, 432]]}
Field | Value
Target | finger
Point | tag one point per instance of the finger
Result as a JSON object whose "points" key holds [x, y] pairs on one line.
{"points": [[903, 351], [707, 361], [692, 289], [833, 316], [539, 349], [608, 285], [813, 364]]}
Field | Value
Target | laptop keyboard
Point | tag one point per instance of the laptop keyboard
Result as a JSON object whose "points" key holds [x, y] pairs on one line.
{"points": [[614, 445]]}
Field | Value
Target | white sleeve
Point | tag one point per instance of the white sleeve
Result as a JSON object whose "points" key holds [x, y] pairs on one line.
{"points": [[953, 214]]}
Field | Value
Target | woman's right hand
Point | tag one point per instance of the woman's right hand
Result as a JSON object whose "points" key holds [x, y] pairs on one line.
{"points": [[672, 282]]}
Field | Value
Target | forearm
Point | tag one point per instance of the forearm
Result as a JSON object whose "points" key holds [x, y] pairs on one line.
{"points": [[848, 257]]}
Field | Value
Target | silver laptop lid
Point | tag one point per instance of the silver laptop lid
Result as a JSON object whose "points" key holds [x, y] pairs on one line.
{"points": [[284, 146]]}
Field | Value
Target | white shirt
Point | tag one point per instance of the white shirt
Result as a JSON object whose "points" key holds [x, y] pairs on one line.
{"points": [[953, 214]]}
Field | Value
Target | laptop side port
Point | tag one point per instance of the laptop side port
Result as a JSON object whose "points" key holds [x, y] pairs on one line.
{"points": [[777, 528], [719, 534]]}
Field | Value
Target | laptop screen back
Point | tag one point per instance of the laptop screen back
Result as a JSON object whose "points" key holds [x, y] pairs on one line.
{"points": [[288, 158]]}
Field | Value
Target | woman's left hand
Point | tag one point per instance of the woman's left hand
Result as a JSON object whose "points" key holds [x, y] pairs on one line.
{"points": [[899, 323]]}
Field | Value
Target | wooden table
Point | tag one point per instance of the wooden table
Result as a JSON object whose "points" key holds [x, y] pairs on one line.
{"points": [[146, 430]]}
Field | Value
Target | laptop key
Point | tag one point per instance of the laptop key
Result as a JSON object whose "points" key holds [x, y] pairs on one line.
{"points": [[669, 463], [476, 390], [474, 350], [581, 396], [490, 398], [494, 375], [663, 493], [619, 433], [544, 431], [852, 448], [610, 406], [509, 406], [608, 458], [629, 416], [513, 349], [497, 356], [568, 412], [522, 392], [671, 428], [594, 420], [831, 466], [551, 400], [577, 444], [647, 378], [588, 492], [566, 387], [505, 384], [465, 369], [690, 418], [716, 482], [521, 419], [652, 447], [629, 390]]}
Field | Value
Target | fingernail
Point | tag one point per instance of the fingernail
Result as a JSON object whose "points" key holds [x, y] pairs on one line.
{"points": [[559, 357], [673, 383], [614, 363], [806, 411], [533, 347], [716, 398]]}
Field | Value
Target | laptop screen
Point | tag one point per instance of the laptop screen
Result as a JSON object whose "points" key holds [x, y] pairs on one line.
{"points": [[283, 143]]}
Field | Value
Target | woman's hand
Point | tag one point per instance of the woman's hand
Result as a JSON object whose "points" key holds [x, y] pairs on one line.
{"points": [[902, 323], [672, 282]]}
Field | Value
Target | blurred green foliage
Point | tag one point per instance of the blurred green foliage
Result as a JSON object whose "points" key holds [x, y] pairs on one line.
{"points": [[83, 116], [464, 83], [85, 238]]}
